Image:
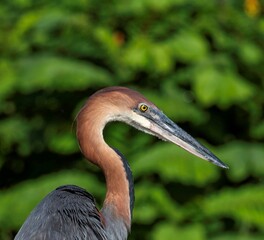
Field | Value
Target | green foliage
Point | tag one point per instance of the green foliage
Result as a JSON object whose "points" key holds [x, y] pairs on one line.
{"points": [[245, 155], [147, 207], [58, 74], [201, 62], [176, 166], [246, 207], [166, 231], [222, 88], [238, 237]]}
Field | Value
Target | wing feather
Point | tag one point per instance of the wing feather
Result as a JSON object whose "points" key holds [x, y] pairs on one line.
{"points": [[69, 212]]}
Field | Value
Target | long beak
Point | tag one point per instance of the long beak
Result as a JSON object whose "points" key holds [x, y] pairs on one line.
{"points": [[164, 128]]}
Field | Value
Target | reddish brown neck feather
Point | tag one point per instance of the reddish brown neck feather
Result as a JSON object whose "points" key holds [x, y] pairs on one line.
{"points": [[102, 107], [90, 123]]}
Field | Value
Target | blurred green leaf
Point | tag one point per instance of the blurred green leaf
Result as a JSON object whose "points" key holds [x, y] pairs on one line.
{"points": [[245, 204], [172, 163], [61, 140], [58, 74], [188, 46], [244, 160], [142, 53], [257, 130], [250, 53], [15, 131], [7, 80], [167, 230], [241, 236], [148, 208], [222, 87]]}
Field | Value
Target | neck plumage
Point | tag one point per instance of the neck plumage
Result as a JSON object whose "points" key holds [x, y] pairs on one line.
{"points": [[118, 204]]}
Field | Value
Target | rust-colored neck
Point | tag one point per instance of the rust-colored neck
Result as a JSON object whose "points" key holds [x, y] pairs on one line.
{"points": [[90, 135]]}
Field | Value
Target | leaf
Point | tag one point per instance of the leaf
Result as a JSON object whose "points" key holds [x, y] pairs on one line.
{"points": [[142, 53], [244, 159], [244, 204], [239, 236], [257, 131], [55, 73], [10, 136], [165, 230], [161, 6], [61, 140], [188, 46], [136, 54], [250, 53], [7, 80], [149, 199], [174, 164], [223, 88]]}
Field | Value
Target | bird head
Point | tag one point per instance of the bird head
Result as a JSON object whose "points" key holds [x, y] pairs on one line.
{"points": [[129, 106]]}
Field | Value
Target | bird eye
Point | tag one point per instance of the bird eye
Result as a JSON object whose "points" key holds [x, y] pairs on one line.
{"points": [[143, 107]]}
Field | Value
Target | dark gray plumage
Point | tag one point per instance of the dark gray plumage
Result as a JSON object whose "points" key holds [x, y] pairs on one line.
{"points": [[67, 207]]}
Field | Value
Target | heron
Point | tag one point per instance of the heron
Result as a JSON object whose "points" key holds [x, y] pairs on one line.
{"points": [[70, 212]]}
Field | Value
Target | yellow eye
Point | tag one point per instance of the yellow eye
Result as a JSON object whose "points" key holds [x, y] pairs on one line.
{"points": [[143, 107]]}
